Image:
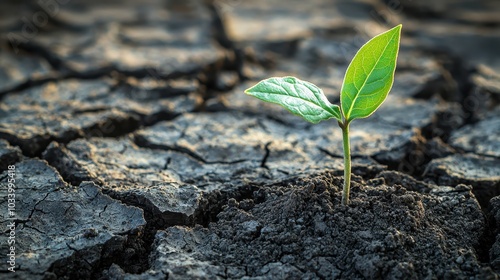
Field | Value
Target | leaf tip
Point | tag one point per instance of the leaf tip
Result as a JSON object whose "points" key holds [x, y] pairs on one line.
{"points": [[398, 28], [248, 90]]}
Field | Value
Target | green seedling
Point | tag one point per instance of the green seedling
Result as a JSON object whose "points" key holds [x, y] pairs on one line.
{"points": [[367, 82]]}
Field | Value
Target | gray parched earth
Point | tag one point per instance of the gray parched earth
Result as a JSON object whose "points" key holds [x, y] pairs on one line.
{"points": [[134, 154]]}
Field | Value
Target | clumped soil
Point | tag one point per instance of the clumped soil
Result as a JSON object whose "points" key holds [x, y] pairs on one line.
{"points": [[300, 230]]}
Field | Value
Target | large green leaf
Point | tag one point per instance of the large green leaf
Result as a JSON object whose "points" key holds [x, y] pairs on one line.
{"points": [[370, 75], [299, 97]]}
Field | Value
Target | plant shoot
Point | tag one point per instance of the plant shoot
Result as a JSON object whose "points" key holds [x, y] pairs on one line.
{"points": [[367, 82]]}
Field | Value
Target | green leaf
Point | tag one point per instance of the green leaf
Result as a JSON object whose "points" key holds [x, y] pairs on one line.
{"points": [[370, 75], [299, 97]]}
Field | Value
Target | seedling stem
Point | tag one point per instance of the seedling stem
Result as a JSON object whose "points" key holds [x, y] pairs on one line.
{"points": [[347, 162]]}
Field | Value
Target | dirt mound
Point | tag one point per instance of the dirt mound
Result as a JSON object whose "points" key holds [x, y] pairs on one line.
{"points": [[300, 230]]}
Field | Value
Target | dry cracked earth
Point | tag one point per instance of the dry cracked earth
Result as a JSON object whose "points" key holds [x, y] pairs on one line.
{"points": [[137, 155]]}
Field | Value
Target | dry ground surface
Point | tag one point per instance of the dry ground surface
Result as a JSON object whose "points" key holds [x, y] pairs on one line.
{"points": [[137, 155]]}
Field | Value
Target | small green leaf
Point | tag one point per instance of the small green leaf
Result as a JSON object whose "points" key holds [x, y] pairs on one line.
{"points": [[299, 97], [370, 75]]}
